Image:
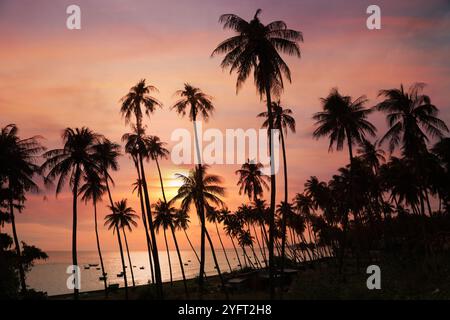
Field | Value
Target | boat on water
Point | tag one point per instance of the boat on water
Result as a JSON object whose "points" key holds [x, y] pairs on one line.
{"points": [[120, 275], [93, 264], [86, 267], [102, 278], [142, 268]]}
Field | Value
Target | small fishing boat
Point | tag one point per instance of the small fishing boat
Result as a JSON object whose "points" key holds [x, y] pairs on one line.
{"points": [[98, 268], [142, 268], [186, 264], [86, 267], [93, 264], [120, 275], [102, 278]]}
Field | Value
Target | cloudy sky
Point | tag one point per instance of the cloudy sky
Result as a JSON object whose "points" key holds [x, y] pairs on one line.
{"points": [[52, 78]]}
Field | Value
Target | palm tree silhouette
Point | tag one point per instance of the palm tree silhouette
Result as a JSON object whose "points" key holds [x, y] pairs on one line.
{"points": [[256, 47], [132, 103], [231, 227], [182, 223], [18, 165], [92, 190], [411, 117], [121, 217], [73, 161], [135, 144], [201, 190], [156, 150], [282, 121], [199, 104]]}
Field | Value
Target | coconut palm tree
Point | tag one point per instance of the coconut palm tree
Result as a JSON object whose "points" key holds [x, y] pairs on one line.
{"points": [[252, 181], [73, 161], [121, 217], [200, 189], [282, 121], [92, 190], [411, 119], [137, 98], [256, 47], [231, 227], [214, 216], [135, 143], [372, 154], [18, 167]]}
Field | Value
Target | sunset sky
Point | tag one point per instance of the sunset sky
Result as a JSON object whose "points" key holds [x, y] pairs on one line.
{"points": [[52, 78]]}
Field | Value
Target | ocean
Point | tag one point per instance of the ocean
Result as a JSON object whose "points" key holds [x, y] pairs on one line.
{"points": [[50, 275]]}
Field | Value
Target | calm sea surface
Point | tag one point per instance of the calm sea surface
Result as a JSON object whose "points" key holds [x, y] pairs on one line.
{"points": [[50, 276]]}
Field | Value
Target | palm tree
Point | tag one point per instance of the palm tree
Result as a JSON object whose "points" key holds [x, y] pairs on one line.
{"points": [[93, 190], [135, 143], [201, 190], [73, 161], [18, 167], [199, 104], [132, 103], [282, 121], [372, 154], [343, 119], [252, 181], [411, 118], [121, 217], [256, 47], [214, 216]]}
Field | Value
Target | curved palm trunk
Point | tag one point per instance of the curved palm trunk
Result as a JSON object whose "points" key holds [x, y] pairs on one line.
{"points": [[152, 231], [23, 284], [123, 262], [180, 260], [223, 248], [272, 194], [168, 256], [192, 247], [99, 249], [160, 180], [129, 257], [144, 221], [74, 226], [259, 244], [284, 217]]}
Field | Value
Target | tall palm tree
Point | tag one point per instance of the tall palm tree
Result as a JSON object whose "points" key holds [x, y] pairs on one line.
{"points": [[92, 190], [257, 47], [411, 119], [18, 167], [231, 227], [76, 158], [200, 105], [135, 143], [372, 154], [201, 190], [121, 217], [282, 121], [214, 216], [132, 103]]}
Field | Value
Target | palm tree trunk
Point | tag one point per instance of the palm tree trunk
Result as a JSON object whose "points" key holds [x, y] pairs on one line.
{"points": [[284, 217], [74, 227], [192, 247], [129, 257], [99, 249], [272, 195], [144, 221], [180, 260], [160, 180], [223, 248], [259, 244], [123, 262], [23, 284], [168, 256], [152, 231]]}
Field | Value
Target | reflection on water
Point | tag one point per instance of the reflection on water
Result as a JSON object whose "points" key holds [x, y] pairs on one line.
{"points": [[50, 276]]}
